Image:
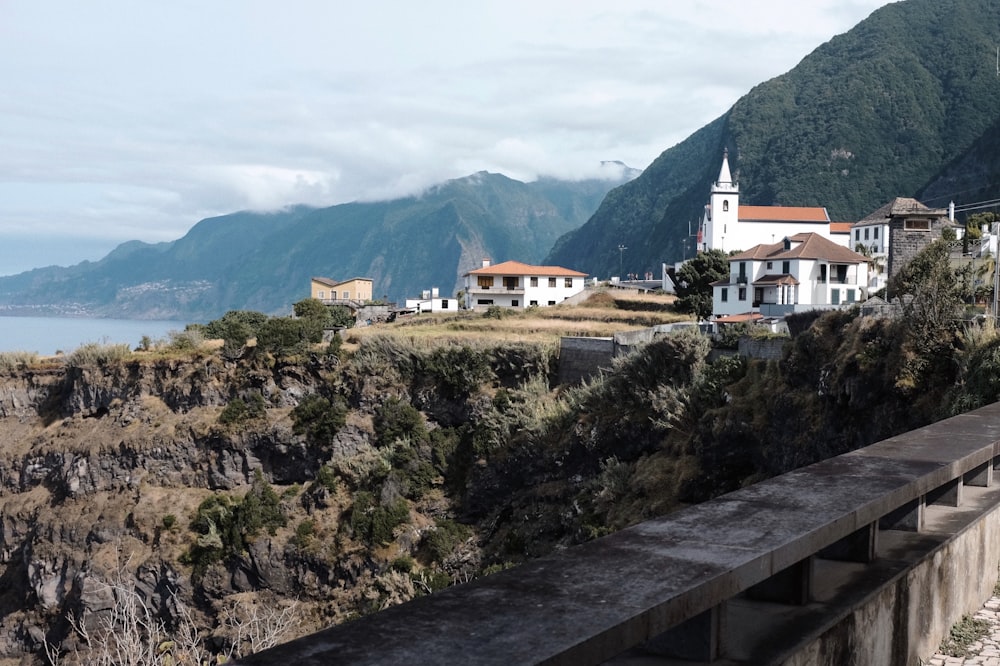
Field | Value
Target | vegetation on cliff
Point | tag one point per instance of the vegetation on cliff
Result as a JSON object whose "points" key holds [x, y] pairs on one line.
{"points": [[327, 482]]}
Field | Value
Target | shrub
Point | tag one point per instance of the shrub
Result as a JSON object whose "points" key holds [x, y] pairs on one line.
{"points": [[224, 526], [285, 335], [440, 542], [239, 412], [318, 418], [187, 340], [169, 521], [458, 370], [374, 523], [17, 360], [305, 532], [396, 420], [96, 354]]}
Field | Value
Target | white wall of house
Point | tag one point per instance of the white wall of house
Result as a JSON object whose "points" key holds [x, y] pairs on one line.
{"points": [[520, 291], [820, 283], [432, 304]]}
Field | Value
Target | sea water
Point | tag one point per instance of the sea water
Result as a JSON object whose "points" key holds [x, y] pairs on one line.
{"points": [[49, 335]]}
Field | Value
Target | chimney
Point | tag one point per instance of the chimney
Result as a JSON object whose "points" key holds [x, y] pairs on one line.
{"points": [[434, 292], [486, 262], [951, 211]]}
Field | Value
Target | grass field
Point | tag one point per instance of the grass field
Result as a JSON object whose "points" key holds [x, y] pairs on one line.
{"points": [[602, 315]]}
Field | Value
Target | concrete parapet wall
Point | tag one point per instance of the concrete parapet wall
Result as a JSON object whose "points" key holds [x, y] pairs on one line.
{"points": [[582, 358], [904, 621]]}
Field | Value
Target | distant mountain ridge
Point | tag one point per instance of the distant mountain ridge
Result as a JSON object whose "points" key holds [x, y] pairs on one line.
{"points": [[263, 261], [904, 104]]}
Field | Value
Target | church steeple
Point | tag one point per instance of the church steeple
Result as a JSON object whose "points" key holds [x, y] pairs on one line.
{"points": [[722, 213], [725, 181]]}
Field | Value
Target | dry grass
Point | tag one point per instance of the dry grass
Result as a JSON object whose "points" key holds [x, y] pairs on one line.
{"points": [[602, 315]]}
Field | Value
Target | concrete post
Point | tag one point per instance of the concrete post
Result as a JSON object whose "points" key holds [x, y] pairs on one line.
{"points": [[858, 546], [981, 476], [789, 586], [907, 518], [697, 639], [949, 494]]}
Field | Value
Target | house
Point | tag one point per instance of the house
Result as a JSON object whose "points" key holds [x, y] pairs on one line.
{"points": [[806, 271], [515, 285], [355, 291], [431, 301], [729, 225]]}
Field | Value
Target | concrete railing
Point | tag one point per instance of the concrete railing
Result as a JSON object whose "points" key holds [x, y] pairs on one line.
{"points": [[771, 573]]}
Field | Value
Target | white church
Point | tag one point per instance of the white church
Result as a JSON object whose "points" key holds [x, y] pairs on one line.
{"points": [[728, 225]]}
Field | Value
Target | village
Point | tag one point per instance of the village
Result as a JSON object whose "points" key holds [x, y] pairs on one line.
{"points": [[782, 260]]}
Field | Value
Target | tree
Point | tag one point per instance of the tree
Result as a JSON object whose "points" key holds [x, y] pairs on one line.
{"points": [[694, 282], [313, 309]]}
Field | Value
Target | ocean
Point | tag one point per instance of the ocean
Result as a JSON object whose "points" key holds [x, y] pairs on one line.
{"points": [[48, 335]]}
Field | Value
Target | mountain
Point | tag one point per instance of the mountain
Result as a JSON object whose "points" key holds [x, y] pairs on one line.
{"points": [[263, 261], [904, 104]]}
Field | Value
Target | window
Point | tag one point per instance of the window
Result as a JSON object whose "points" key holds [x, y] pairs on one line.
{"points": [[515, 303], [533, 303], [822, 272], [484, 281], [552, 283], [770, 265], [725, 205], [875, 233], [866, 233], [835, 296], [510, 283], [534, 282], [568, 283], [347, 295], [321, 294], [484, 301], [743, 293], [786, 267], [444, 303], [857, 234], [916, 225], [552, 302], [850, 295], [725, 294]]}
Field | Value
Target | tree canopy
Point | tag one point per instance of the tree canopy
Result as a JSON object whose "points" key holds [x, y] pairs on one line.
{"points": [[694, 282]]}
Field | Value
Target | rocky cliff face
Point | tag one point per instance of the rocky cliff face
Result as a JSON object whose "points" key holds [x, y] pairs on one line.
{"points": [[102, 468]]}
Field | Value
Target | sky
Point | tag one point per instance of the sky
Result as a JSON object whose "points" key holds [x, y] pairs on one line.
{"points": [[123, 120]]}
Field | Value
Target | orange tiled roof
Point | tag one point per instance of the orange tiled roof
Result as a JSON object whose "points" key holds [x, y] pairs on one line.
{"points": [[783, 214], [739, 318], [841, 227], [517, 268]]}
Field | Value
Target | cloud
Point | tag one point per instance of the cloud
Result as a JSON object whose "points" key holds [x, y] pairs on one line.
{"points": [[137, 127]]}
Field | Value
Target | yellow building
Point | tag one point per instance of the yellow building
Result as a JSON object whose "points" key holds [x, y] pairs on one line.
{"points": [[331, 291]]}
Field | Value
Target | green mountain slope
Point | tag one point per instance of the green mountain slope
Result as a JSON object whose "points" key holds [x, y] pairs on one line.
{"points": [[263, 261], [875, 113]]}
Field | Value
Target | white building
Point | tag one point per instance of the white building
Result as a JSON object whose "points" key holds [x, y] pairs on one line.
{"points": [[515, 285], [728, 225], [431, 301], [802, 272]]}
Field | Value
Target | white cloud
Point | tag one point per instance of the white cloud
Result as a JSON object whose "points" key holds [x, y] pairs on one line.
{"points": [[129, 120]]}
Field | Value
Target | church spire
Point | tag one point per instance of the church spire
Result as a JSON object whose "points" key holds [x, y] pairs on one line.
{"points": [[725, 177]]}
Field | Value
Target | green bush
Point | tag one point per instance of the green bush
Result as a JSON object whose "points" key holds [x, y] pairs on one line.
{"points": [[224, 526], [441, 542], [395, 420], [305, 532], [239, 412], [319, 418], [374, 523]]}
